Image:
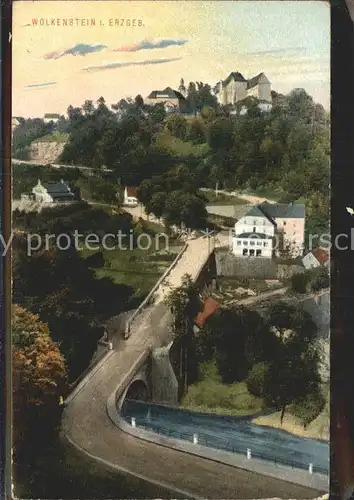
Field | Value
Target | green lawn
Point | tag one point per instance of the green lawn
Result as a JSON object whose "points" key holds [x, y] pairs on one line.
{"points": [[210, 395], [265, 192], [136, 268], [221, 199], [54, 137], [178, 147]]}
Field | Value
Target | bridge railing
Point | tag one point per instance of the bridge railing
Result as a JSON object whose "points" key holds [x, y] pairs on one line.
{"points": [[225, 445], [148, 298]]}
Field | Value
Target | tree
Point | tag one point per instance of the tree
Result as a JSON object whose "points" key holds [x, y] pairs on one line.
{"points": [[321, 279], [139, 101], [257, 380], [300, 104], [177, 126], [185, 304], [307, 408], [295, 361], [197, 131], [220, 134], [236, 339], [39, 378], [299, 282]]}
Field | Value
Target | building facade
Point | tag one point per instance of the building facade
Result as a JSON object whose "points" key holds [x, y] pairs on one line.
{"points": [[173, 101], [269, 229], [236, 88], [51, 117]]}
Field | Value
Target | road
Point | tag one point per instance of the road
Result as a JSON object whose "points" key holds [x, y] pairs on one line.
{"points": [[247, 197], [88, 427], [56, 165], [231, 434]]}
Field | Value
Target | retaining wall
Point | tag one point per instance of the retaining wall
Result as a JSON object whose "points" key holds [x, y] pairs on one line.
{"points": [[316, 481]]}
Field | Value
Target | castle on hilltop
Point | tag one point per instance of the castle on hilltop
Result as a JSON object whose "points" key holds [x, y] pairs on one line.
{"points": [[236, 88]]}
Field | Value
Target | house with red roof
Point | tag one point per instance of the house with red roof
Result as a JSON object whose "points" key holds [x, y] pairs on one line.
{"points": [[210, 307], [317, 258], [130, 196]]}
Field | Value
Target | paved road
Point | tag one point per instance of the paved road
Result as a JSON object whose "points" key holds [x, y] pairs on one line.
{"points": [[232, 434], [247, 197], [88, 426]]}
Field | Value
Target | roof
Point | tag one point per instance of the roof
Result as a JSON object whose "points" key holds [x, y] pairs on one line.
{"points": [[256, 211], [210, 307], [132, 191], [58, 188], [51, 115], [235, 76], [252, 82], [167, 92], [321, 254], [283, 210], [255, 236]]}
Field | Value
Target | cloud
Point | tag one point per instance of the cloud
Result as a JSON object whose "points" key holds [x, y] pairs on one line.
{"points": [[115, 65], [40, 85], [80, 49], [276, 52], [150, 45]]}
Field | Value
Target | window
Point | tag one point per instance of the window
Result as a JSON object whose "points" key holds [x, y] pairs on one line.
{"points": [[265, 243], [239, 243], [284, 222], [254, 222], [254, 229], [258, 253], [259, 243], [245, 251], [251, 252], [245, 243], [252, 243]]}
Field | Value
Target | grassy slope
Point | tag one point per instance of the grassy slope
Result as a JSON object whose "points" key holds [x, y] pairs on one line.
{"points": [[54, 137], [178, 147], [138, 269], [211, 396]]}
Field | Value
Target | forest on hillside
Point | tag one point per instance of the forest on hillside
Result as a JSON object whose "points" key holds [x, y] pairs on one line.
{"points": [[285, 152]]}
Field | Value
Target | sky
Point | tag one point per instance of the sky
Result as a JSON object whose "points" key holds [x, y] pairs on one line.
{"points": [[98, 54]]}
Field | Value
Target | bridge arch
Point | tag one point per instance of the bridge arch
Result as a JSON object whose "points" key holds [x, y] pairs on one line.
{"points": [[138, 390]]}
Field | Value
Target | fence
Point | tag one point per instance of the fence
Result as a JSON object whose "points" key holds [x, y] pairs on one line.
{"points": [[151, 293], [224, 445]]}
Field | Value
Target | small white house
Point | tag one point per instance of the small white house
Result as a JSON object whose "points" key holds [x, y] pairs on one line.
{"points": [[130, 197], [51, 117], [317, 258]]}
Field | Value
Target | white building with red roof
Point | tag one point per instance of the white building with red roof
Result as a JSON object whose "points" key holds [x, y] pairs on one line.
{"points": [[130, 196], [317, 258]]}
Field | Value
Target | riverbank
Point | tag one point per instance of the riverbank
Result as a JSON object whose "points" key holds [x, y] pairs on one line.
{"points": [[318, 429]]}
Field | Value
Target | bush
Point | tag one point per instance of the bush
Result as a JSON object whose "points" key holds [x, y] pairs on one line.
{"points": [[299, 282], [256, 380], [308, 408], [321, 280]]}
